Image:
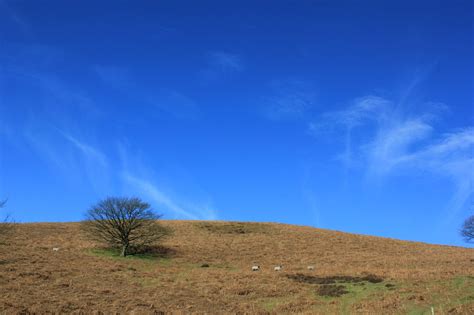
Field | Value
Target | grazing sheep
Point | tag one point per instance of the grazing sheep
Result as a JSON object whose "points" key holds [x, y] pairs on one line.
{"points": [[310, 267], [55, 249], [278, 268], [255, 268]]}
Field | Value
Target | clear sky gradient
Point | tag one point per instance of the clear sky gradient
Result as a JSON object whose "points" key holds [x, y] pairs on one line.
{"points": [[346, 115]]}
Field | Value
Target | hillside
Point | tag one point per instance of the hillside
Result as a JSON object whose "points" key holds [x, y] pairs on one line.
{"points": [[370, 275]]}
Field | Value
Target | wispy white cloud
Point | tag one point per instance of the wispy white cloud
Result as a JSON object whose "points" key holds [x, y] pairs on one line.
{"points": [[452, 143], [28, 66], [75, 159], [177, 209], [220, 65], [61, 128], [175, 103], [93, 161], [288, 100], [56, 97], [204, 211], [88, 151], [161, 101], [43, 144], [395, 141], [225, 62], [363, 110], [453, 156], [63, 95], [158, 197], [13, 15], [311, 197], [138, 178], [50, 119]]}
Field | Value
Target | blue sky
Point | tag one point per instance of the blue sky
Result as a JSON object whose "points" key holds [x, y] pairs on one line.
{"points": [[346, 115]]}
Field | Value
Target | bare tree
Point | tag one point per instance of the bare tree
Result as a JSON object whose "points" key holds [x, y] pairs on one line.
{"points": [[6, 225], [467, 230], [125, 223]]}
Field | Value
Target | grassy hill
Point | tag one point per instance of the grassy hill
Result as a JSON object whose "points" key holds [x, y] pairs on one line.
{"points": [[353, 273]]}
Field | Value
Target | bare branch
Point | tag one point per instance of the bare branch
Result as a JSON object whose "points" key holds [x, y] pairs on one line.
{"points": [[124, 222], [467, 230], [7, 225]]}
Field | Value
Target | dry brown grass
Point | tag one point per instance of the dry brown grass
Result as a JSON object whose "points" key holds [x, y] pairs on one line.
{"points": [[78, 278]]}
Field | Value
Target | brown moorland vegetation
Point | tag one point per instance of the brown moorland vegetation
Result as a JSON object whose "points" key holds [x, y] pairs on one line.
{"points": [[205, 267]]}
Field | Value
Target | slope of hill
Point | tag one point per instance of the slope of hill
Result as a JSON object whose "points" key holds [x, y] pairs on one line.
{"points": [[353, 273]]}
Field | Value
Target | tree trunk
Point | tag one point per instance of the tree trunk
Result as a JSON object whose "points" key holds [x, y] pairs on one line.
{"points": [[124, 250]]}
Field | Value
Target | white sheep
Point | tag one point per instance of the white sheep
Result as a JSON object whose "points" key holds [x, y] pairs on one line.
{"points": [[255, 268], [311, 267], [278, 268], [55, 249]]}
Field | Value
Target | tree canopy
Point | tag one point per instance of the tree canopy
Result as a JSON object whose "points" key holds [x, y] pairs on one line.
{"points": [[127, 223]]}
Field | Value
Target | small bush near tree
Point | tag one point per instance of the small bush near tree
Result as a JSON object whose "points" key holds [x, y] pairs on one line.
{"points": [[124, 223], [467, 230]]}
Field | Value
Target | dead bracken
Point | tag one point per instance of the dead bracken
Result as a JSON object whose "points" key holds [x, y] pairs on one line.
{"points": [[233, 227], [83, 278]]}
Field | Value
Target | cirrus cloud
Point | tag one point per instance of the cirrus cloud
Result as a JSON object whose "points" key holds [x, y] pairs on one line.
{"points": [[396, 141]]}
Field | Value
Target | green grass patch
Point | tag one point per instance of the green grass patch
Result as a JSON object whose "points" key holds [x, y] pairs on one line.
{"points": [[419, 310], [442, 295], [359, 292], [455, 292], [352, 290], [459, 282], [270, 304], [148, 282], [115, 254]]}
